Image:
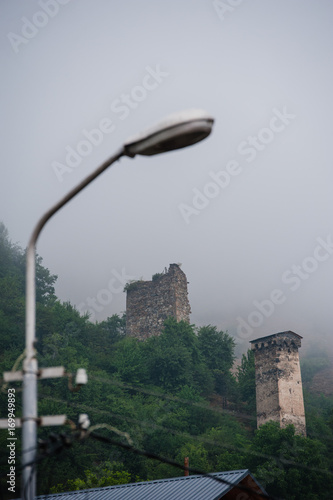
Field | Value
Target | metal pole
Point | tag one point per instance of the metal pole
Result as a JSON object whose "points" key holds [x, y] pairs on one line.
{"points": [[29, 423], [30, 365]]}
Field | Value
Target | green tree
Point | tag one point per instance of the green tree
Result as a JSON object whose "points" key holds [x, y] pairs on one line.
{"points": [[247, 382], [128, 361], [217, 349], [101, 339], [163, 392], [44, 283], [11, 261], [197, 454], [174, 359], [105, 474], [290, 466]]}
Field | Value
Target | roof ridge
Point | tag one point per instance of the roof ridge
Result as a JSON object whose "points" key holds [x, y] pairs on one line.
{"points": [[275, 334], [142, 483]]}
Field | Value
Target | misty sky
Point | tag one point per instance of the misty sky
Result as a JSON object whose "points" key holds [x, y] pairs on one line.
{"points": [[248, 212]]}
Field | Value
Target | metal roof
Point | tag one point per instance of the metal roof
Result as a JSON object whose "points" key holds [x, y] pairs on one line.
{"points": [[182, 488]]}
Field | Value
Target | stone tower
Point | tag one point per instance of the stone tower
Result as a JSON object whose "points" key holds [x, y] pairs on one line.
{"points": [[279, 391], [150, 303]]}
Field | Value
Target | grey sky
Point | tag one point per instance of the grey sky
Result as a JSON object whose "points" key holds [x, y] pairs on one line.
{"points": [[262, 69]]}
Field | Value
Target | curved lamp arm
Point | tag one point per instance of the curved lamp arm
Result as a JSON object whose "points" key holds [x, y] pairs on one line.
{"points": [[31, 250], [30, 366], [177, 131]]}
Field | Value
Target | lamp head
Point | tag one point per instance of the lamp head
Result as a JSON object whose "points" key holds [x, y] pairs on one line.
{"points": [[175, 132]]}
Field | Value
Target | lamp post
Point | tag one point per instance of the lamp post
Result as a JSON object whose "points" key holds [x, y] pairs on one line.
{"points": [[177, 131]]}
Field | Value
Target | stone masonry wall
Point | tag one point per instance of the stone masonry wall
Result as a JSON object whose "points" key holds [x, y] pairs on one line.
{"points": [[150, 303], [279, 393]]}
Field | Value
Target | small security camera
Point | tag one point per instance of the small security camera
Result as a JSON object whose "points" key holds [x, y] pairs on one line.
{"points": [[81, 377], [84, 421]]}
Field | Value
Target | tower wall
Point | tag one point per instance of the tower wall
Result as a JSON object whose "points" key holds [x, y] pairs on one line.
{"points": [[279, 392], [150, 303]]}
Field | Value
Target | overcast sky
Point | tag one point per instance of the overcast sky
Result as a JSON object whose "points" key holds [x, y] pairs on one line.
{"points": [[248, 212]]}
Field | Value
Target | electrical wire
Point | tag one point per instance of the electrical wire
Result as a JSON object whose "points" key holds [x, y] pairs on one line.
{"points": [[26, 489], [168, 397], [154, 426], [113, 429], [177, 465], [83, 435], [15, 365], [186, 435], [61, 440]]}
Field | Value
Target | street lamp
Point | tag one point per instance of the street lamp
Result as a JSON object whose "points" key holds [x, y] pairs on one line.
{"points": [[177, 131]]}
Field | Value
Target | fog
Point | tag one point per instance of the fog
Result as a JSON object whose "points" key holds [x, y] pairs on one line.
{"points": [[247, 212]]}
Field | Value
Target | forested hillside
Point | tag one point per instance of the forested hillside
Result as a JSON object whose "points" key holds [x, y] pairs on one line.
{"points": [[175, 395]]}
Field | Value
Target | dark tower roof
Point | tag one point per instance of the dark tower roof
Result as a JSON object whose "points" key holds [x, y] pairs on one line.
{"points": [[287, 333]]}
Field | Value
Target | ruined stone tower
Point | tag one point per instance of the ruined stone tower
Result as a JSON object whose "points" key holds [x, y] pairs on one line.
{"points": [[279, 391], [149, 303]]}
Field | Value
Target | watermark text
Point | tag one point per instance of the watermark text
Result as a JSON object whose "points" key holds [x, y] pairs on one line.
{"points": [[11, 481]]}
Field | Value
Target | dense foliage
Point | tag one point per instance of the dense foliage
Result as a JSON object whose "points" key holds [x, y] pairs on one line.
{"points": [[176, 395]]}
